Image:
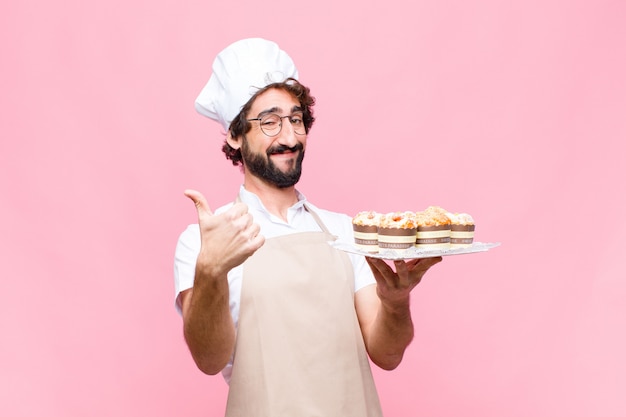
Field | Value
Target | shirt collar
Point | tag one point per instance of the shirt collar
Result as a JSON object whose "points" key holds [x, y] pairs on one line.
{"points": [[254, 202]]}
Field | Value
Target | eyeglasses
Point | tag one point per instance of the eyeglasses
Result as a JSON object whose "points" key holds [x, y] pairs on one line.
{"points": [[271, 123]]}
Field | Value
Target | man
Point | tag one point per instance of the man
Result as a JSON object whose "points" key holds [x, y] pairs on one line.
{"points": [[288, 320]]}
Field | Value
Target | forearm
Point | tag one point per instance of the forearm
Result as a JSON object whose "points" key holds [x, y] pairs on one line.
{"points": [[390, 334], [208, 326], [385, 313], [227, 240]]}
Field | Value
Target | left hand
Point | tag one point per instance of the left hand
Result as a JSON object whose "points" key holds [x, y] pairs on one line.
{"points": [[395, 287]]}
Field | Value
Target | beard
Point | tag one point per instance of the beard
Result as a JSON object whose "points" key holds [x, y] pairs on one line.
{"points": [[261, 166]]}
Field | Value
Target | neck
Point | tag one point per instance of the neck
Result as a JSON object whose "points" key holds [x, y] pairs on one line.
{"points": [[276, 200]]}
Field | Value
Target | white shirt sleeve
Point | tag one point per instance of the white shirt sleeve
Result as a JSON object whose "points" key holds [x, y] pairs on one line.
{"points": [[362, 272], [187, 250]]}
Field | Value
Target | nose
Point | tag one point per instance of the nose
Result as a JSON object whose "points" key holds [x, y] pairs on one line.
{"points": [[287, 135]]}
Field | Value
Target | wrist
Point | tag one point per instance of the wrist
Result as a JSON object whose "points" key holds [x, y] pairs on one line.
{"points": [[208, 271], [397, 307]]}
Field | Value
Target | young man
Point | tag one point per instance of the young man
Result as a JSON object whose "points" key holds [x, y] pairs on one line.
{"points": [[288, 320]]}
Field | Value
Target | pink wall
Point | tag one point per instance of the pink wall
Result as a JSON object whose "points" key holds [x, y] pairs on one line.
{"points": [[513, 111]]}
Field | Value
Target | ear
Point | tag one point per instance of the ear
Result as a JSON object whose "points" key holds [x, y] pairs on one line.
{"points": [[235, 143]]}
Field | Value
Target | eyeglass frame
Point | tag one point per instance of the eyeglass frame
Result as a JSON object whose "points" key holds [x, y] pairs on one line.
{"points": [[263, 115]]}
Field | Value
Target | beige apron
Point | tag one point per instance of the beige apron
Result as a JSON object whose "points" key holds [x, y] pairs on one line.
{"points": [[299, 349]]}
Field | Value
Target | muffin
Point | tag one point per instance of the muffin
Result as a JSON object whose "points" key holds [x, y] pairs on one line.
{"points": [[397, 230], [433, 229], [462, 230], [365, 226]]}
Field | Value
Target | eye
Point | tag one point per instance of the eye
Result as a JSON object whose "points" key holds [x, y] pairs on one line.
{"points": [[270, 122], [296, 119]]}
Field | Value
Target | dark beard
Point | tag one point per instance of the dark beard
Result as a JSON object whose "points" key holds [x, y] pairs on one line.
{"points": [[263, 167]]}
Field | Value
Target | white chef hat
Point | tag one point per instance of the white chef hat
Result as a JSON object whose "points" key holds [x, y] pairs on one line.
{"points": [[238, 72]]}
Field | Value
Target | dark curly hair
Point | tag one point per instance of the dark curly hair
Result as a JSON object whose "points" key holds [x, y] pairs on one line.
{"points": [[240, 126]]}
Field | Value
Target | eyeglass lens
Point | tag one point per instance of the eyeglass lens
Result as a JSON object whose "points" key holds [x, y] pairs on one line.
{"points": [[271, 124]]}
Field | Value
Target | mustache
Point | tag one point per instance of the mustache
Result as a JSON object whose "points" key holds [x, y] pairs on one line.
{"points": [[278, 149]]}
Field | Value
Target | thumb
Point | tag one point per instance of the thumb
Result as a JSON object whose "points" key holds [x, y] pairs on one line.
{"points": [[198, 199]]}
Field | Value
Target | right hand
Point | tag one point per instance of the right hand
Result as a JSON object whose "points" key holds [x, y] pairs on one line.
{"points": [[227, 239]]}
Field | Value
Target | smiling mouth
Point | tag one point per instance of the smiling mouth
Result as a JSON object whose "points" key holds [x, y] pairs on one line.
{"points": [[284, 153], [280, 150]]}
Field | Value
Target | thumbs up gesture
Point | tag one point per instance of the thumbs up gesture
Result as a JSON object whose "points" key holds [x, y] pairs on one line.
{"points": [[227, 239]]}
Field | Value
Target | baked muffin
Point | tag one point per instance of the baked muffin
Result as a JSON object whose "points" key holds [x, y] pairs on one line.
{"points": [[365, 226], [397, 230], [461, 230], [433, 228]]}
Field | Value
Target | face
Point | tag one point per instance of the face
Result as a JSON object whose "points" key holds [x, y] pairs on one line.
{"points": [[276, 160]]}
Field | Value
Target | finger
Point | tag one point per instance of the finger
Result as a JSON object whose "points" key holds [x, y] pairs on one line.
{"points": [[426, 263], [254, 229], [257, 241], [382, 271], [411, 263], [238, 210], [402, 268], [198, 199], [407, 273], [423, 263], [375, 264]]}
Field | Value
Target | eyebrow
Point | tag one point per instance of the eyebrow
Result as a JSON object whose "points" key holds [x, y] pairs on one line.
{"points": [[294, 109]]}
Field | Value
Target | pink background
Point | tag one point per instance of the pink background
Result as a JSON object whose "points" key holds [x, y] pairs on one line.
{"points": [[512, 111]]}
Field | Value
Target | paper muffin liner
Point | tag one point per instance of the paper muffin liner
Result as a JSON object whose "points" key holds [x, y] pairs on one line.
{"points": [[462, 235], [396, 238], [433, 236], [366, 237]]}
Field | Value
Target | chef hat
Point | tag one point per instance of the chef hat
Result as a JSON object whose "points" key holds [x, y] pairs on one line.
{"points": [[238, 72]]}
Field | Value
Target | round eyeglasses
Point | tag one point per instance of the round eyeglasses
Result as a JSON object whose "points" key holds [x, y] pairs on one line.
{"points": [[271, 124]]}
